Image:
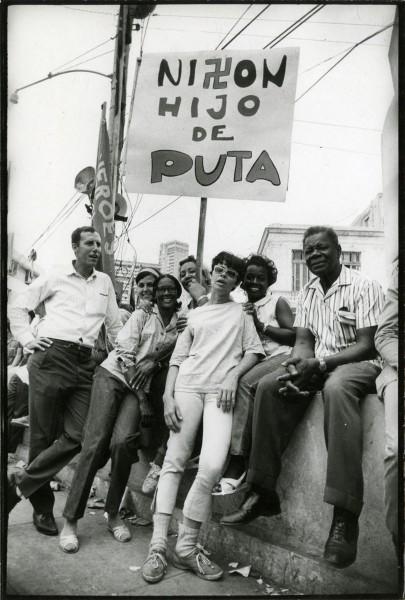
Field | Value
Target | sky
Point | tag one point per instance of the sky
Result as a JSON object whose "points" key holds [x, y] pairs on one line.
{"points": [[335, 161]]}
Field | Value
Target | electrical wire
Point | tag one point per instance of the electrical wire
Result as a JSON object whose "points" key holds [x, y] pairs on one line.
{"points": [[323, 147], [233, 26], [93, 58], [155, 213], [64, 208], [325, 60], [144, 31], [286, 32], [342, 58], [44, 239], [93, 12], [261, 35], [268, 20], [324, 123], [245, 27], [83, 54]]}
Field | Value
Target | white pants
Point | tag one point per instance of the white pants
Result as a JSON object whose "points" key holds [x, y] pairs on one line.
{"points": [[217, 428], [387, 389]]}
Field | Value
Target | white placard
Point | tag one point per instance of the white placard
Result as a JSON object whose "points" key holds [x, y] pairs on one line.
{"points": [[215, 124]]}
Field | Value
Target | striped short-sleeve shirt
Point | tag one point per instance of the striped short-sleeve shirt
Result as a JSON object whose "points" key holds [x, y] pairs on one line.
{"points": [[351, 303]]}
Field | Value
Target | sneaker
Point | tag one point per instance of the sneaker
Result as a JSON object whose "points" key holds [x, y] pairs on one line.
{"points": [[154, 567], [200, 564], [151, 479]]}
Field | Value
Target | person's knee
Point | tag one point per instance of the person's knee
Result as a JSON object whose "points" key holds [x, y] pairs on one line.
{"points": [[332, 388], [268, 386], [126, 447], [208, 476], [174, 462]]}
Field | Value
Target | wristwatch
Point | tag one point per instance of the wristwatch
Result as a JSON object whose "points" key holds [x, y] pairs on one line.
{"points": [[322, 365]]}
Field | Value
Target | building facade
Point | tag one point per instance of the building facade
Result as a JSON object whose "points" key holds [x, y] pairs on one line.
{"points": [[362, 244], [170, 254], [125, 274]]}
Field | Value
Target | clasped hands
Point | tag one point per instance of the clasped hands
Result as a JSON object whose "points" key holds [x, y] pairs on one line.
{"points": [[302, 378], [138, 374]]}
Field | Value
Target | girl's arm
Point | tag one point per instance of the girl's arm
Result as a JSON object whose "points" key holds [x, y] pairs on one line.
{"points": [[227, 390], [285, 334], [172, 413]]}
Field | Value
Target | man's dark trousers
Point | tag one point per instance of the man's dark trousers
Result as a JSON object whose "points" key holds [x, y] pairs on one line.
{"points": [[59, 395], [275, 418], [111, 430]]}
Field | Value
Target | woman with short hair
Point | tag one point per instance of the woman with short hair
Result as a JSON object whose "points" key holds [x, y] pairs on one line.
{"points": [[216, 348]]}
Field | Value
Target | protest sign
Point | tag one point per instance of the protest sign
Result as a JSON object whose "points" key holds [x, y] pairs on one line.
{"points": [[214, 124]]}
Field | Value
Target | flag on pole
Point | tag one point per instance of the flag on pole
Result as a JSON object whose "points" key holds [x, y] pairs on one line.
{"points": [[103, 211]]}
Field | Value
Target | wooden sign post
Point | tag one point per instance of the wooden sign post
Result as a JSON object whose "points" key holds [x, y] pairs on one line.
{"points": [[201, 231]]}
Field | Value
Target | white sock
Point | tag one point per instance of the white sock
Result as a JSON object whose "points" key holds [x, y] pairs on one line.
{"points": [[187, 540], [161, 522]]}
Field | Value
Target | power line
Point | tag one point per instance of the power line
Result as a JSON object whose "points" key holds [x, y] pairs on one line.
{"points": [[55, 219], [322, 62], [324, 123], [155, 213], [323, 147], [262, 35], [342, 58], [245, 27], [93, 12], [41, 240], [93, 58], [143, 34], [267, 20], [83, 54], [233, 26], [281, 36]]}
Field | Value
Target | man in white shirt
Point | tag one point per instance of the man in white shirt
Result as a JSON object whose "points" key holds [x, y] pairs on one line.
{"points": [[77, 303]]}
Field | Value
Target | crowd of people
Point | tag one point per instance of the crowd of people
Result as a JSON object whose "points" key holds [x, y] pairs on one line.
{"points": [[232, 379]]}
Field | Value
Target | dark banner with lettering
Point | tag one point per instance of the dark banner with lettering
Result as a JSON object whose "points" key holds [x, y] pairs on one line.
{"points": [[103, 210], [214, 124]]}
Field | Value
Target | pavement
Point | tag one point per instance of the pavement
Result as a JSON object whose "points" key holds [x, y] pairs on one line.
{"points": [[103, 567]]}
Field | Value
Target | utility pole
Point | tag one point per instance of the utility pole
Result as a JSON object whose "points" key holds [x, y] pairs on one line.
{"points": [[116, 121], [104, 209]]}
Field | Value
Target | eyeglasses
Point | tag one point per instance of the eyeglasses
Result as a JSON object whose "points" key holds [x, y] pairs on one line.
{"points": [[219, 270], [166, 289]]}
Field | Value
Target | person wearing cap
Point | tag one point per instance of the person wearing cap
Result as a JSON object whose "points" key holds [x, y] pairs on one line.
{"points": [[142, 292], [115, 415], [77, 302]]}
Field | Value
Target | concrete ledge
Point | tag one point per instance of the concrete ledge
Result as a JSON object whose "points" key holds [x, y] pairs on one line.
{"points": [[288, 547]]}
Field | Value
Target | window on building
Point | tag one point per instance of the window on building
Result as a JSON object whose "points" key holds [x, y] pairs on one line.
{"points": [[300, 272], [352, 260]]}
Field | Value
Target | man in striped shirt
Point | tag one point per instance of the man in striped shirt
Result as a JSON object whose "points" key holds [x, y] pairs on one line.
{"points": [[337, 313]]}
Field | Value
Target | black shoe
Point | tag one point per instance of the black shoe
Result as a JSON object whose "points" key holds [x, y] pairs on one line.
{"points": [[250, 509], [45, 523], [12, 497], [341, 546]]}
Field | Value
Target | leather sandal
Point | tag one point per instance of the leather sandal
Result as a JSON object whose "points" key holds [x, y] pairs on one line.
{"points": [[69, 543], [121, 533]]}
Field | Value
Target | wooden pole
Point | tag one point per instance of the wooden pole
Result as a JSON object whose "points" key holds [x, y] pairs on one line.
{"points": [[201, 232], [118, 94]]}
